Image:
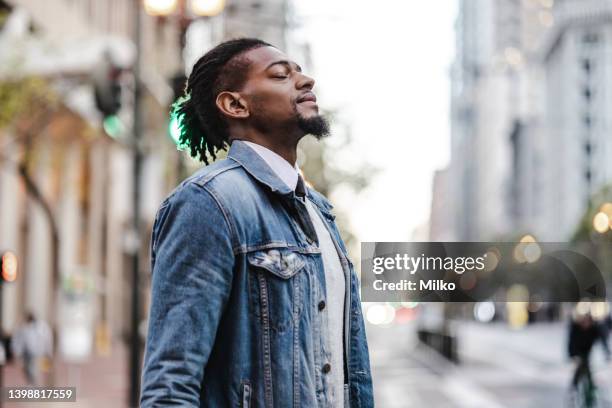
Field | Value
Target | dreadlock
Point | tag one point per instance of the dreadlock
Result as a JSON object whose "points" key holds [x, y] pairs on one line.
{"points": [[202, 128]]}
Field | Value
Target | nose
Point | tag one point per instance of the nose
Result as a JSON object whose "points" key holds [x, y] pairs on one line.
{"points": [[305, 82]]}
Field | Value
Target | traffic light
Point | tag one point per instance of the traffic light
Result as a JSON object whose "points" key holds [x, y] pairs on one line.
{"points": [[8, 266], [107, 87], [113, 126], [107, 93]]}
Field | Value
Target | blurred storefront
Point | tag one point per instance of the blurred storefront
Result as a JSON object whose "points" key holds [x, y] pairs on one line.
{"points": [[68, 216]]}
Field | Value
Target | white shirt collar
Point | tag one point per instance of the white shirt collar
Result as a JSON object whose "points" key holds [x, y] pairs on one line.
{"points": [[280, 166]]}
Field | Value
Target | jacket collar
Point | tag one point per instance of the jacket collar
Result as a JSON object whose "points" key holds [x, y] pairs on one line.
{"points": [[257, 167]]}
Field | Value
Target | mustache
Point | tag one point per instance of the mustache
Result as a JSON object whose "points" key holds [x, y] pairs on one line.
{"points": [[306, 96]]}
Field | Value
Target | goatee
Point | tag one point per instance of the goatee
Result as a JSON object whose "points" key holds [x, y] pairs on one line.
{"points": [[316, 126]]}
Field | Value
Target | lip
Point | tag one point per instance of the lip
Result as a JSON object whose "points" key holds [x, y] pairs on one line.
{"points": [[307, 97]]}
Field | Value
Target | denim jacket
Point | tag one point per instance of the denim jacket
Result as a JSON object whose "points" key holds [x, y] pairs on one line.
{"points": [[236, 289]]}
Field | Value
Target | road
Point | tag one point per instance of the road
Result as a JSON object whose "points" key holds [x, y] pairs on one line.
{"points": [[499, 367]]}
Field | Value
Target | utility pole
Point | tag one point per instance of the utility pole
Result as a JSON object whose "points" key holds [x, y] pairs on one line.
{"points": [[134, 393]]}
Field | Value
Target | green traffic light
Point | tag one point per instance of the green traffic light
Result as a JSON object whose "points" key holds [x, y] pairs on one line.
{"points": [[113, 126]]}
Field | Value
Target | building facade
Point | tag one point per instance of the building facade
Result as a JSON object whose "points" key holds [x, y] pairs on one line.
{"points": [[497, 118], [85, 176]]}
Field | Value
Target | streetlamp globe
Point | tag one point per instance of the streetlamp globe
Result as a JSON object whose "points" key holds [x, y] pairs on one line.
{"points": [[160, 7], [206, 8]]}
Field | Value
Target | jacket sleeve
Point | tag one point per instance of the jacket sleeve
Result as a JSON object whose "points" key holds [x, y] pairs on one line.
{"points": [[192, 264]]}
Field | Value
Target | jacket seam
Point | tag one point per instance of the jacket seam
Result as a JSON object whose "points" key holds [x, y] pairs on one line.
{"points": [[267, 363], [204, 179], [228, 220], [296, 354], [325, 206], [245, 249]]}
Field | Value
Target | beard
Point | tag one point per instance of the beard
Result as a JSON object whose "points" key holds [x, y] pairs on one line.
{"points": [[317, 126]]}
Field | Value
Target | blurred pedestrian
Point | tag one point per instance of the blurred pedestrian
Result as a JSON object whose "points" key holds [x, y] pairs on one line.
{"points": [[33, 342], [583, 333]]}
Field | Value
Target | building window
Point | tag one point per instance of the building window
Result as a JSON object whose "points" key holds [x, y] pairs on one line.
{"points": [[590, 38], [587, 65]]}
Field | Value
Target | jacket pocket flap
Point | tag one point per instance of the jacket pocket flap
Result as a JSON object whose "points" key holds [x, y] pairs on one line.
{"points": [[281, 262]]}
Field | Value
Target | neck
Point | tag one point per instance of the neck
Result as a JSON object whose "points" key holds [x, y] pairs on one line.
{"points": [[281, 144]]}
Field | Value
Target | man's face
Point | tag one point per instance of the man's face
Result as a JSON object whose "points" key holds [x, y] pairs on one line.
{"points": [[279, 95]]}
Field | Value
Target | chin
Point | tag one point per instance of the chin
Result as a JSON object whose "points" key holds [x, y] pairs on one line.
{"points": [[314, 124], [308, 108], [310, 114]]}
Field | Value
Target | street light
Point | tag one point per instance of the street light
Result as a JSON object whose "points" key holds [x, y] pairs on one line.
{"points": [[202, 8], [160, 7], [186, 12], [207, 8]]}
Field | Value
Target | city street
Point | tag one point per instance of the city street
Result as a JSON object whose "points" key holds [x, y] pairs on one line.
{"points": [[500, 367], [157, 158]]}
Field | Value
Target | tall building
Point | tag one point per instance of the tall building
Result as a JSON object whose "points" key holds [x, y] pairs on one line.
{"points": [[531, 125], [576, 143], [440, 225], [492, 109]]}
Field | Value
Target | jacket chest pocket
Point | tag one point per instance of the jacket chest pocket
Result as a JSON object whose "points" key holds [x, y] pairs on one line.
{"points": [[277, 279]]}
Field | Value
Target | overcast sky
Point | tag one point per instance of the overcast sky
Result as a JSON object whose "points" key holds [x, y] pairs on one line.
{"points": [[386, 65]]}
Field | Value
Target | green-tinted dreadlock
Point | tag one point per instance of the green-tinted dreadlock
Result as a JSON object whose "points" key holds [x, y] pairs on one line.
{"points": [[202, 128]]}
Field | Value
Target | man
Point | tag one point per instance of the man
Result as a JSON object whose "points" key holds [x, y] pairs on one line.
{"points": [[33, 342], [583, 333], [254, 300]]}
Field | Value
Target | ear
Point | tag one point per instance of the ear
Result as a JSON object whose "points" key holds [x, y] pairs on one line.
{"points": [[232, 105]]}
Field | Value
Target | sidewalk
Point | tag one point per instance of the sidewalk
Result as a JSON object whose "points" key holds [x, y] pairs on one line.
{"points": [[101, 382]]}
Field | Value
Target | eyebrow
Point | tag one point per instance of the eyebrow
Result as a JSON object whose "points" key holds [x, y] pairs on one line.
{"points": [[286, 63]]}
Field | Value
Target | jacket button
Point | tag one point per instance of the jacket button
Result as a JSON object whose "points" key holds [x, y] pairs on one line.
{"points": [[326, 368], [322, 305]]}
